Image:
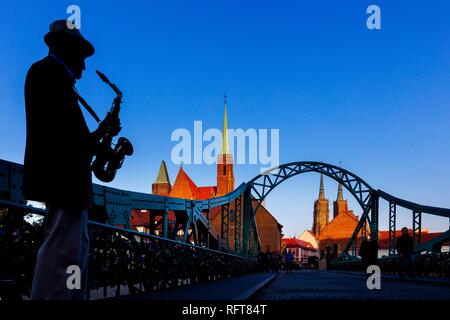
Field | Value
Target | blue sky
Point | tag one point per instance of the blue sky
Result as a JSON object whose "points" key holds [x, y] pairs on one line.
{"points": [[376, 100]]}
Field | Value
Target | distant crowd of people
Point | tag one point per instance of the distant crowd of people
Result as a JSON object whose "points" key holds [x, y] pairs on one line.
{"points": [[273, 261], [269, 261]]}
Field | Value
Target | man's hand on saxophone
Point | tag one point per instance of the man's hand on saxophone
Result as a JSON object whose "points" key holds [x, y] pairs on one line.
{"points": [[110, 125]]}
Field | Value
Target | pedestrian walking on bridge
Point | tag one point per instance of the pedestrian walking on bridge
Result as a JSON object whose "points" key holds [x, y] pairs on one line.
{"points": [[289, 261], [369, 251], [405, 250]]}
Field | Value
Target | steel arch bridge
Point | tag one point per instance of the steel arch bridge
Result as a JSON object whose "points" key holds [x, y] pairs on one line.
{"points": [[367, 197], [237, 233]]}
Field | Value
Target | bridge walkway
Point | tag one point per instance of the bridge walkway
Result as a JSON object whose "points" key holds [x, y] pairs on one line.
{"points": [[237, 288], [333, 285]]}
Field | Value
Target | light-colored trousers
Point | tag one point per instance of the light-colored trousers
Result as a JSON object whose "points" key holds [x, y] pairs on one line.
{"points": [[66, 243]]}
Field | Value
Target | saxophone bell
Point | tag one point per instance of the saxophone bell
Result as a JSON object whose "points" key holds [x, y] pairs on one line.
{"points": [[108, 160]]}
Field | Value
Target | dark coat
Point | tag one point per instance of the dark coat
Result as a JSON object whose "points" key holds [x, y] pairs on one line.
{"points": [[405, 245], [59, 144], [369, 251]]}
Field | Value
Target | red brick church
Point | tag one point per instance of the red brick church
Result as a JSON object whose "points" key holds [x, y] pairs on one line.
{"points": [[269, 230]]}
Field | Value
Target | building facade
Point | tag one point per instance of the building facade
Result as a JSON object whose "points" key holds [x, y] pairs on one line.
{"points": [[308, 236], [301, 250], [332, 233], [332, 236], [321, 211]]}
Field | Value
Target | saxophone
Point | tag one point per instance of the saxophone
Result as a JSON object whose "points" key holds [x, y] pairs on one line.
{"points": [[108, 160]]}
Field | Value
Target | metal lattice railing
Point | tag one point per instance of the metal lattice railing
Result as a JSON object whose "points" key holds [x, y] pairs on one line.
{"points": [[121, 261]]}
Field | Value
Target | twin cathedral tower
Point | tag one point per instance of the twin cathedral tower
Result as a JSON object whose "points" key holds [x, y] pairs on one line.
{"points": [[321, 215]]}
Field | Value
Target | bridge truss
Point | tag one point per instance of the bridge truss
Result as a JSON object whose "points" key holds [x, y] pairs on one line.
{"points": [[367, 197], [236, 233], [193, 221]]}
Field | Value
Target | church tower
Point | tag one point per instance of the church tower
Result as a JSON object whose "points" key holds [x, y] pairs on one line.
{"points": [[162, 184], [225, 174], [340, 205], [321, 211]]}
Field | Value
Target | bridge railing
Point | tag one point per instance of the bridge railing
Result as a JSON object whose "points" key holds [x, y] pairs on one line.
{"points": [[430, 264], [168, 217], [121, 261], [134, 262]]}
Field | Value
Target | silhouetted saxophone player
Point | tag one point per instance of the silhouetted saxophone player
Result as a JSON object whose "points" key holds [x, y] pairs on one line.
{"points": [[58, 156]]}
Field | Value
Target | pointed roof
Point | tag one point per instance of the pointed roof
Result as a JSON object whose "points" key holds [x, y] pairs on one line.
{"points": [[225, 148], [308, 232], [185, 187], [297, 243], [163, 175], [322, 189], [340, 195], [310, 237]]}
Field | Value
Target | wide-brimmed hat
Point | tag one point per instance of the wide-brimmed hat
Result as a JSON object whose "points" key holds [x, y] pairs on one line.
{"points": [[58, 30]]}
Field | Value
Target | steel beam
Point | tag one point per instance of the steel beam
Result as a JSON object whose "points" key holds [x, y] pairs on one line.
{"points": [[351, 243], [208, 215], [392, 227], [152, 222], [237, 224], [417, 227], [165, 223], [374, 203], [225, 225], [364, 230], [186, 231], [255, 241], [195, 233], [251, 240], [248, 213]]}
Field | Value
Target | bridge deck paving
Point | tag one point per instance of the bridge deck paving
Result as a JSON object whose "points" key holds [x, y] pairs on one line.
{"points": [[331, 285], [236, 288]]}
